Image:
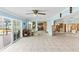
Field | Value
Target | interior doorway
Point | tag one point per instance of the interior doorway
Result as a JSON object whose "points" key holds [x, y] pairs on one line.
{"points": [[60, 27], [42, 26]]}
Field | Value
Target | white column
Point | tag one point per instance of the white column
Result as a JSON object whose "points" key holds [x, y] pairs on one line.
{"points": [[27, 24], [21, 29], [49, 27], [12, 32], [36, 25]]}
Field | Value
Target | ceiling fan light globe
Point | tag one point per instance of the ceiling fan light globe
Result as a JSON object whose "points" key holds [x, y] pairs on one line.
{"points": [[35, 15]]}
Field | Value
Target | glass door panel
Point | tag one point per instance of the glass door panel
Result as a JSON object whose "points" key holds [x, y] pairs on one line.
{"points": [[16, 29], [1, 32], [7, 32]]}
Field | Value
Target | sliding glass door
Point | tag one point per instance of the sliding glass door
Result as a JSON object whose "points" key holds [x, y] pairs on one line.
{"points": [[16, 29], [7, 31], [1, 32]]}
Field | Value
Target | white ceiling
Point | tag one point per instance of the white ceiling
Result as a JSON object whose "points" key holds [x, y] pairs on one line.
{"points": [[21, 11]]}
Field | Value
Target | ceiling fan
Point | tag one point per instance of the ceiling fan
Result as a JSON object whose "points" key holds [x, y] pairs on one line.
{"points": [[37, 12]]}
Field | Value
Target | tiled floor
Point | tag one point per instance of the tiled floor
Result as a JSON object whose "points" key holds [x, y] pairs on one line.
{"points": [[61, 42]]}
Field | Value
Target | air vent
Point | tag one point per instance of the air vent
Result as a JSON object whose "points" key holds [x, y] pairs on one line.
{"points": [[70, 10]]}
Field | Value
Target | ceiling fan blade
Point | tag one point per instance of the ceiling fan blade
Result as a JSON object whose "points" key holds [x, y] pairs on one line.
{"points": [[39, 10], [29, 13], [42, 13], [43, 10]]}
